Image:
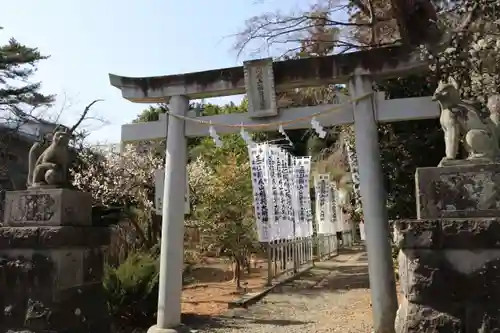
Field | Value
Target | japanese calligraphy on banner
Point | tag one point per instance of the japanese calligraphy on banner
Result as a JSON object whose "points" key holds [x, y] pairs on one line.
{"points": [[284, 204], [281, 193], [259, 183], [272, 191], [333, 189], [339, 215], [307, 196], [302, 199], [323, 193]]}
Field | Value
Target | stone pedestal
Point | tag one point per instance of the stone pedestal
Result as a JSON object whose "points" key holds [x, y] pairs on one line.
{"points": [[46, 207], [449, 260], [458, 191], [51, 274]]}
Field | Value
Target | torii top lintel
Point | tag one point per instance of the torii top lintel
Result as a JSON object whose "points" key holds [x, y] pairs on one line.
{"points": [[308, 72]]}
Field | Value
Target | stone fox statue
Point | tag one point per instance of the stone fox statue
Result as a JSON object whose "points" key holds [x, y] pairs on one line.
{"points": [[460, 117], [51, 167]]}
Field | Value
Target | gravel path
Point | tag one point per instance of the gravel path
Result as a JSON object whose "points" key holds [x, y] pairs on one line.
{"points": [[332, 297]]}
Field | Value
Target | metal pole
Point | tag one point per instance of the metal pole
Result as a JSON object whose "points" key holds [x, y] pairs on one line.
{"points": [[172, 230], [373, 198]]}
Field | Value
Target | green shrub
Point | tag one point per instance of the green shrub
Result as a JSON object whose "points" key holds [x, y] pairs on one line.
{"points": [[132, 290]]}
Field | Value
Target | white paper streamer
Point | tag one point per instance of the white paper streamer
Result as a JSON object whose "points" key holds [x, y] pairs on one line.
{"points": [[246, 137], [318, 128], [281, 130], [215, 137]]}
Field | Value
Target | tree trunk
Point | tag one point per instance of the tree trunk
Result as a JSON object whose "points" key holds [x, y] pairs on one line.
{"points": [[248, 263], [237, 272]]}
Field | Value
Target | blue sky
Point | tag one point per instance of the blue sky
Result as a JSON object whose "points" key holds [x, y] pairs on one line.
{"points": [[87, 39]]}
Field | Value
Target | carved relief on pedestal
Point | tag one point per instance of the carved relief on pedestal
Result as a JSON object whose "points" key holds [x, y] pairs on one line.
{"points": [[47, 206], [33, 207]]}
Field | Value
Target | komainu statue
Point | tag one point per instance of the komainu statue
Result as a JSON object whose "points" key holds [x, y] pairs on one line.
{"points": [[465, 121], [51, 167]]}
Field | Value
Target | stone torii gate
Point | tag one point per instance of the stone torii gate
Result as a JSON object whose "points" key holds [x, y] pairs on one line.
{"points": [[358, 69]]}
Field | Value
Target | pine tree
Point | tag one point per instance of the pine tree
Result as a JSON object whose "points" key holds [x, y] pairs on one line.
{"points": [[18, 96], [19, 101]]}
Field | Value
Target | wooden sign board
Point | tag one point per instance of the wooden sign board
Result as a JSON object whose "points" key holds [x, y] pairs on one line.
{"points": [[259, 85]]}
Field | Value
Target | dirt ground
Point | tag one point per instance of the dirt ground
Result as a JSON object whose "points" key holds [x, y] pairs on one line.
{"points": [[213, 286], [332, 297]]}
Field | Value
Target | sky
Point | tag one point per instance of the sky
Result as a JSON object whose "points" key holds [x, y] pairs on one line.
{"points": [[87, 39]]}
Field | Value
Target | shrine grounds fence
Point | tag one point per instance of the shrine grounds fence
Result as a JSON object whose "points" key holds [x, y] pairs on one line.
{"points": [[327, 246], [286, 258]]}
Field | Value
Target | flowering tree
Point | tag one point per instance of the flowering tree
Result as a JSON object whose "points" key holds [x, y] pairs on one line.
{"points": [[124, 180], [223, 209]]}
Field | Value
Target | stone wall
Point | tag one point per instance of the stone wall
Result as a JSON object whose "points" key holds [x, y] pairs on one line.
{"points": [[51, 264], [449, 259], [450, 275], [51, 279]]}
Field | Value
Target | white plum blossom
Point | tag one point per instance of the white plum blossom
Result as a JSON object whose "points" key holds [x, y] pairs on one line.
{"points": [[118, 179]]}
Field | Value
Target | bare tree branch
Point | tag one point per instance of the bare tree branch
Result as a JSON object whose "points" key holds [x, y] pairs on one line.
{"points": [[84, 114], [318, 25]]}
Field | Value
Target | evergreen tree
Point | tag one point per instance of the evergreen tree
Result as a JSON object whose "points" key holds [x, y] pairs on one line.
{"points": [[19, 97]]}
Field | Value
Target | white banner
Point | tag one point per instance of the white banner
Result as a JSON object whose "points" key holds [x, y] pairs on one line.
{"points": [[285, 221], [323, 204], [289, 192], [281, 193], [334, 205], [159, 186], [302, 199], [307, 196], [272, 191], [339, 215], [362, 230], [259, 180]]}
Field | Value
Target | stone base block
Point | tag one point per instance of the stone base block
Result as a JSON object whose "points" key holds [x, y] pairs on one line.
{"points": [[450, 275], [455, 318], [418, 318], [80, 309], [156, 329], [51, 279], [48, 207], [458, 191]]}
